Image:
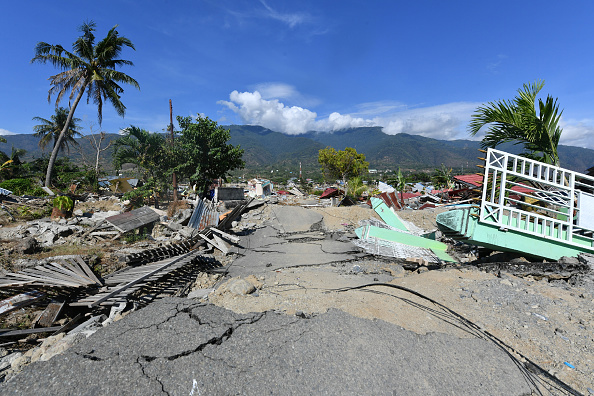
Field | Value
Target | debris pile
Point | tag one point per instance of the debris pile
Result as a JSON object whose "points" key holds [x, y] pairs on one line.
{"points": [[73, 295]]}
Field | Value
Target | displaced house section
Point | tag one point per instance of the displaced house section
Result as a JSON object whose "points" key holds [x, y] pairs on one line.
{"points": [[528, 207], [260, 188]]}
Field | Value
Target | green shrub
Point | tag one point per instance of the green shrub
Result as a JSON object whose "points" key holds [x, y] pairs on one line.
{"points": [[23, 187], [64, 203]]}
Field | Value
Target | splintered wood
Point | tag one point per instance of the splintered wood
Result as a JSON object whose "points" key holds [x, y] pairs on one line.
{"points": [[73, 272], [123, 283]]}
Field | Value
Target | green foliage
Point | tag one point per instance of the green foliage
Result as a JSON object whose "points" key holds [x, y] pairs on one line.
{"points": [[63, 203], [27, 213], [50, 129], [519, 122], [203, 153], [342, 164], [355, 187], [149, 152], [23, 187], [90, 67], [443, 177]]}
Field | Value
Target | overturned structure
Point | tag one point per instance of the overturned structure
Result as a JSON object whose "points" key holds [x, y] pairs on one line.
{"points": [[528, 207]]}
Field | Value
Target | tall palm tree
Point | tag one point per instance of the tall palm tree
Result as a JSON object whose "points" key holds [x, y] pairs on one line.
{"points": [[88, 68], [519, 121], [50, 129]]}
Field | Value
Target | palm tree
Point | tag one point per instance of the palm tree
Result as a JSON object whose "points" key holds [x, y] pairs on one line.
{"points": [[50, 129], [518, 121], [88, 68]]}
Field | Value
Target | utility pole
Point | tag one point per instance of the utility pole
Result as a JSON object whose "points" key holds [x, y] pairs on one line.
{"points": [[171, 130]]}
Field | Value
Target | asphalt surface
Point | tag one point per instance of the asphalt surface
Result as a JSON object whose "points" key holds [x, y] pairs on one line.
{"points": [[182, 347]]}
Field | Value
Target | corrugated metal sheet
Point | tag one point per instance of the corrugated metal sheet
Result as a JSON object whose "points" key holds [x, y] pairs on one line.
{"points": [[204, 215]]}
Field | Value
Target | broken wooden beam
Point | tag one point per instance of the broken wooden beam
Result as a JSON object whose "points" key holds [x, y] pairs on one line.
{"points": [[50, 314]]}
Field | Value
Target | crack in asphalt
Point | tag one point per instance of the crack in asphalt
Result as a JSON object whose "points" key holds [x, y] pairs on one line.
{"points": [[216, 340], [148, 376]]}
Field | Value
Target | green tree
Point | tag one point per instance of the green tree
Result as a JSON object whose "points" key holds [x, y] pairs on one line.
{"points": [[2, 140], [519, 121], [88, 68], [356, 187], [204, 153], [443, 177], [147, 151], [342, 164], [50, 130]]}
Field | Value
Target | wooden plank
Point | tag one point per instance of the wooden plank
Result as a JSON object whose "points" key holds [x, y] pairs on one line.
{"points": [[93, 228], [70, 325], [19, 301], [87, 270], [230, 237], [74, 276], [51, 313], [213, 243], [30, 331], [39, 280], [119, 289], [224, 246]]}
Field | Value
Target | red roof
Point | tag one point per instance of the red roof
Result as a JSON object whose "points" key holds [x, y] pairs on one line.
{"points": [[522, 189], [408, 195], [472, 179]]}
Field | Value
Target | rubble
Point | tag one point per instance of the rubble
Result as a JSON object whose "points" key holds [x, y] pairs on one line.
{"points": [[261, 256]]}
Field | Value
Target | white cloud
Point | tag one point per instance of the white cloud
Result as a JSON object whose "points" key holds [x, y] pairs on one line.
{"points": [[578, 133], [6, 132], [445, 122], [252, 108], [291, 19], [274, 90]]}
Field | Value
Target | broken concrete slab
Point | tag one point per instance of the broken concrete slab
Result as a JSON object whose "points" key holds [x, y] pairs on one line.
{"points": [[264, 250], [293, 219], [178, 346]]}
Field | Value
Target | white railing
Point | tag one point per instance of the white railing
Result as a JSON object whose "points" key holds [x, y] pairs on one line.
{"points": [[537, 198]]}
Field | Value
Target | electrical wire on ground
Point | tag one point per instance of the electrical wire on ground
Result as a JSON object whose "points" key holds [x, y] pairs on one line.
{"points": [[533, 373]]}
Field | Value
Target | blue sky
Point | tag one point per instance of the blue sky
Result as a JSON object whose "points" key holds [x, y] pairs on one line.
{"points": [[419, 67]]}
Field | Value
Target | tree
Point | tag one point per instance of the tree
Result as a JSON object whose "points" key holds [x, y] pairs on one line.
{"points": [[203, 152], [11, 165], [342, 164], [88, 68], [519, 121], [356, 187], [2, 140], [50, 129], [443, 177], [145, 150], [92, 166]]}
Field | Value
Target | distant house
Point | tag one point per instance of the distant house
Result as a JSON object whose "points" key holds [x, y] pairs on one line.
{"points": [[469, 181], [372, 170], [260, 188]]}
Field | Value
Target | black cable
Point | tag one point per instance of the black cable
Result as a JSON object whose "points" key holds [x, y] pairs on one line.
{"points": [[526, 369]]}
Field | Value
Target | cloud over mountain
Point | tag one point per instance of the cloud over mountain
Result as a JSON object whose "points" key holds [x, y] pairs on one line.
{"points": [[263, 107]]}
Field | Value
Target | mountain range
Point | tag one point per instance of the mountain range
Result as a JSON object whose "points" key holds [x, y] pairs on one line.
{"points": [[266, 149]]}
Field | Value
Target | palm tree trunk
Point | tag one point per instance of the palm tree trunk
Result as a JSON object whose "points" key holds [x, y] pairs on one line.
{"points": [[52, 160]]}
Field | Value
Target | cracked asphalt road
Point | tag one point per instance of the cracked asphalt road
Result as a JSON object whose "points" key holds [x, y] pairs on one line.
{"points": [[183, 347]]}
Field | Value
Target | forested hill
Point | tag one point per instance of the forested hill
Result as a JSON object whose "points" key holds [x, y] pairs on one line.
{"points": [[266, 148]]}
